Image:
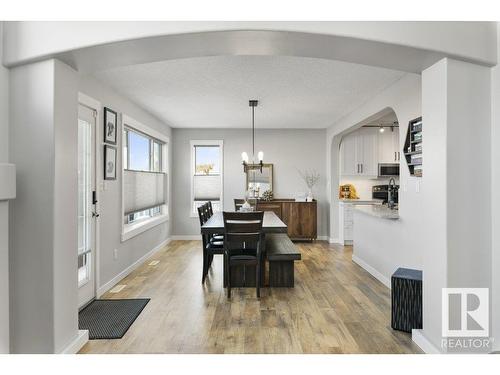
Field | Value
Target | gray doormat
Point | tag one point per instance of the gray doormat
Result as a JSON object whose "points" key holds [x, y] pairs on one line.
{"points": [[110, 318]]}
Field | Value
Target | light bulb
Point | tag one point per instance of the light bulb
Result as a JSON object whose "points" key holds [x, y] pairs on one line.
{"points": [[260, 155], [244, 157], [381, 129]]}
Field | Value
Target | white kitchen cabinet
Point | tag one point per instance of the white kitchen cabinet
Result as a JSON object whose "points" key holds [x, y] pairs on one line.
{"points": [[346, 218], [359, 153], [349, 161], [346, 223], [388, 146]]}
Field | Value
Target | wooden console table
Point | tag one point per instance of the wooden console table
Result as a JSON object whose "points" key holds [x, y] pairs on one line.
{"points": [[301, 218]]}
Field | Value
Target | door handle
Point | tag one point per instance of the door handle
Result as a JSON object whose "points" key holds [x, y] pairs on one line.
{"points": [[95, 214], [395, 157], [361, 167]]}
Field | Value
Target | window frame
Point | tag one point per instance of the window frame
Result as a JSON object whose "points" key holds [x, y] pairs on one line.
{"points": [[130, 230], [193, 144]]}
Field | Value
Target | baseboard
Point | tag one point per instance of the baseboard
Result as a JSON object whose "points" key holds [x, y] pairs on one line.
{"points": [[334, 240], [423, 343], [322, 238], [78, 343], [360, 262], [111, 283], [187, 237]]}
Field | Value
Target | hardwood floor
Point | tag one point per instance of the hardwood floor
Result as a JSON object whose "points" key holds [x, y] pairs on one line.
{"points": [[335, 307]]}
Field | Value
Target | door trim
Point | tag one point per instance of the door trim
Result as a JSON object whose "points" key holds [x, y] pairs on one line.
{"points": [[96, 105]]}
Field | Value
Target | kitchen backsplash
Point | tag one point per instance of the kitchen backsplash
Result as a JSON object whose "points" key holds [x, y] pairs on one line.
{"points": [[364, 186]]}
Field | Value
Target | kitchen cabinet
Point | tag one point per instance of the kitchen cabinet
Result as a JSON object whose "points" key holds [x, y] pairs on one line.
{"points": [[388, 146], [346, 223], [359, 153], [350, 166]]}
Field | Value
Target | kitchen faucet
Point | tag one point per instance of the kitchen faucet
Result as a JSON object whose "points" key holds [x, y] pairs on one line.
{"points": [[393, 188]]}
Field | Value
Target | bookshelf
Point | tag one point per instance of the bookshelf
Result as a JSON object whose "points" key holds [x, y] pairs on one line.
{"points": [[413, 147]]}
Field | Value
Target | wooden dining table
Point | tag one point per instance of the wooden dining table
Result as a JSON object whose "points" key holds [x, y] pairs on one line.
{"points": [[244, 277]]}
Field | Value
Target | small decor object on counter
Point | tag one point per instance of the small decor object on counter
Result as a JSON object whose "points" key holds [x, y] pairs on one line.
{"points": [[110, 126], [348, 191], [311, 178], [109, 163], [406, 295], [267, 195]]}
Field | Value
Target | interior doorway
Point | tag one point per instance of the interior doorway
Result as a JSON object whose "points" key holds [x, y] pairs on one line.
{"points": [[87, 204]]}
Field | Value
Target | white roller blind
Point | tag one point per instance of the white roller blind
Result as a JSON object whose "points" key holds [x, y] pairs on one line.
{"points": [[143, 190], [207, 188]]}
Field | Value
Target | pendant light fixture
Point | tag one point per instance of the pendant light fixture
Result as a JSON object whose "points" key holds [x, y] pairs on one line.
{"points": [[260, 155]]}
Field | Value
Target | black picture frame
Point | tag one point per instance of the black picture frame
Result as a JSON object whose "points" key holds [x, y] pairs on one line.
{"points": [[109, 162], [110, 126]]}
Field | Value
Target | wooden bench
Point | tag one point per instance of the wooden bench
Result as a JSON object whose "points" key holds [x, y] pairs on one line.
{"points": [[281, 253]]}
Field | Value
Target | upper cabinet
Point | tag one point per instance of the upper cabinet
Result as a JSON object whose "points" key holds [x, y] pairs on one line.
{"points": [[359, 153], [388, 146]]}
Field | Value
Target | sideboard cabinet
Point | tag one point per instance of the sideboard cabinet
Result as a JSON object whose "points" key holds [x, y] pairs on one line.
{"points": [[301, 218]]}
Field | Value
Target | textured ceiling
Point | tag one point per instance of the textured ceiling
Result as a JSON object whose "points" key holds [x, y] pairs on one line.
{"points": [[213, 92]]}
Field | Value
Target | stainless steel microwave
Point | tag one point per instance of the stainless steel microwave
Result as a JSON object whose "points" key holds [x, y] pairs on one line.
{"points": [[388, 169]]}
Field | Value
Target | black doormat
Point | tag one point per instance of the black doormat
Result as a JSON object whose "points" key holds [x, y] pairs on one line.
{"points": [[110, 318]]}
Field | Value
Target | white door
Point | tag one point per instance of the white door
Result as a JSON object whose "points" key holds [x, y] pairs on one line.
{"points": [[348, 154], [87, 214]]}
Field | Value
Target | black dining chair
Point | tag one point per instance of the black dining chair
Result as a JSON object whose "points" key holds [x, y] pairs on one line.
{"points": [[238, 203], [209, 213], [211, 244], [242, 243]]}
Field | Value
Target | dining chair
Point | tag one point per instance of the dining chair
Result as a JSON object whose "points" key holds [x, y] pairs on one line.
{"points": [[238, 203], [211, 244], [242, 243]]}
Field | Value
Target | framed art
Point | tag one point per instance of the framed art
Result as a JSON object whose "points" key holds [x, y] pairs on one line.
{"points": [[109, 162], [110, 126]]}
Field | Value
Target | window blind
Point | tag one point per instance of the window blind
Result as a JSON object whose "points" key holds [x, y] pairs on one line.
{"points": [[207, 187], [143, 190]]}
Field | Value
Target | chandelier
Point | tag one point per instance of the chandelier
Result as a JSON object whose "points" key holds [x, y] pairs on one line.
{"points": [[260, 155]]}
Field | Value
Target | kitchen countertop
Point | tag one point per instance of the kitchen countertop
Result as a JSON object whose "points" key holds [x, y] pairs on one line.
{"points": [[361, 201], [380, 211]]}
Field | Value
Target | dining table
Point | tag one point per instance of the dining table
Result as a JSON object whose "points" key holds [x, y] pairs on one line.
{"points": [[271, 223]]}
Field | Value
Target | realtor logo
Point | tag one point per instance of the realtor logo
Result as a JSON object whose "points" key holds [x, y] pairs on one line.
{"points": [[465, 312]]}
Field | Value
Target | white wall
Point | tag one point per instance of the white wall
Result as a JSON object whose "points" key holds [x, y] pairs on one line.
{"points": [[457, 114], [110, 199], [495, 200], [470, 40], [433, 229], [286, 149], [4, 207], [43, 225]]}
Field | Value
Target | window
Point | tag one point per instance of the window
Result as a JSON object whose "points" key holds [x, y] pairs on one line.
{"points": [[145, 178], [207, 175]]}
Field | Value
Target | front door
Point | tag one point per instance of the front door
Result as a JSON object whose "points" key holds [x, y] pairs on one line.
{"points": [[87, 214]]}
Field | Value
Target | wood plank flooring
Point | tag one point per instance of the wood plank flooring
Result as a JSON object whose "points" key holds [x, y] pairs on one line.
{"points": [[335, 307]]}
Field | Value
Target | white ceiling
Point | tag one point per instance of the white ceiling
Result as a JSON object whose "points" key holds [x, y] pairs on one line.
{"points": [[213, 92]]}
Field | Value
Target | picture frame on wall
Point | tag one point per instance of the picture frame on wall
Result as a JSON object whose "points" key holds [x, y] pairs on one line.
{"points": [[110, 126], [109, 162]]}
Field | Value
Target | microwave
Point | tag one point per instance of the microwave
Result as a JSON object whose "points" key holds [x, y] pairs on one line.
{"points": [[388, 169]]}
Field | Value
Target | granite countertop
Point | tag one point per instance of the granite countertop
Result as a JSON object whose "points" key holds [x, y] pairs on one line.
{"points": [[361, 201], [380, 211]]}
